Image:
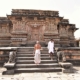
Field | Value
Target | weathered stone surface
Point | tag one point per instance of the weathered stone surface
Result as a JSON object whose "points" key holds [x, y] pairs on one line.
{"points": [[10, 68], [66, 65], [9, 65], [70, 70], [8, 72], [33, 25]]}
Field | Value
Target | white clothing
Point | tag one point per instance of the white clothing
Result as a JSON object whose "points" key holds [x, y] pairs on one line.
{"points": [[51, 47], [37, 56]]}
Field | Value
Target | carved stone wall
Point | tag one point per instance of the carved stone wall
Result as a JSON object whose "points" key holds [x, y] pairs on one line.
{"points": [[31, 25], [35, 30], [5, 35]]}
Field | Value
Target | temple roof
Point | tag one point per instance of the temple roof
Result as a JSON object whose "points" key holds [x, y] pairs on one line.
{"points": [[4, 20], [34, 12], [65, 21]]}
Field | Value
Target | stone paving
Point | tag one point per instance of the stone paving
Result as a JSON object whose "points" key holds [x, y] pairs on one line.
{"points": [[42, 76]]}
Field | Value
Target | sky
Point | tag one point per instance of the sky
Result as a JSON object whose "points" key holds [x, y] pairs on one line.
{"points": [[69, 9]]}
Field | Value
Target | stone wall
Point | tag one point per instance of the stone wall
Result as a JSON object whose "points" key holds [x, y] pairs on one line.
{"points": [[31, 25], [72, 54]]}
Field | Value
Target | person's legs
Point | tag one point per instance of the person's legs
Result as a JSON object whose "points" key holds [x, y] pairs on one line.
{"points": [[37, 58], [51, 56]]}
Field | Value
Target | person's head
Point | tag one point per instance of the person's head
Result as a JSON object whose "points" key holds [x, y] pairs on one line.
{"points": [[52, 40], [37, 42]]}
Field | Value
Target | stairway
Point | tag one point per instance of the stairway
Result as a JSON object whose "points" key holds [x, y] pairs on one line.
{"points": [[25, 61]]}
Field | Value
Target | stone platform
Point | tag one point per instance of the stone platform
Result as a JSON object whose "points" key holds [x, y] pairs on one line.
{"points": [[44, 76]]}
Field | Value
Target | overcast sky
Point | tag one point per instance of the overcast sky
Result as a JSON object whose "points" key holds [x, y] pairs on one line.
{"points": [[69, 9]]}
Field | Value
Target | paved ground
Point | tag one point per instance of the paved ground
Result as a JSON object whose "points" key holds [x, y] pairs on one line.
{"points": [[42, 76]]}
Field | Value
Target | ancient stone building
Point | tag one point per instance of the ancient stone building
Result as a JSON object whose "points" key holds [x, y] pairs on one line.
{"points": [[26, 26]]}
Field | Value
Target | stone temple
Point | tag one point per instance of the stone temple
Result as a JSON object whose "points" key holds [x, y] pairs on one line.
{"points": [[23, 27]]}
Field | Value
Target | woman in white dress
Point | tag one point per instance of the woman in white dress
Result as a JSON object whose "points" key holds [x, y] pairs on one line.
{"points": [[37, 49]]}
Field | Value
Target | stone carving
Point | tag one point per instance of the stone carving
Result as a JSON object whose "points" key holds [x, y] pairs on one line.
{"points": [[19, 26], [70, 33], [36, 29], [35, 24], [62, 30], [12, 57], [0, 29], [52, 26], [4, 29], [61, 53], [47, 24]]}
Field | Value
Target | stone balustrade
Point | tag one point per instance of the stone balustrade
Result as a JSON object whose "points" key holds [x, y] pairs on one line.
{"points": [[72, 54], [4, 54]]}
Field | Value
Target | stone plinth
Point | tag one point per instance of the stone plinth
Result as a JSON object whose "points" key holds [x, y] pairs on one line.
{"points": [[72, 54], [67, 67], [10, 68], [67, 70]]}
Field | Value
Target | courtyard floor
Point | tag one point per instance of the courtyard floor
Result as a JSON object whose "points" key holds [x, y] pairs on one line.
{"points": [[42, 76]]}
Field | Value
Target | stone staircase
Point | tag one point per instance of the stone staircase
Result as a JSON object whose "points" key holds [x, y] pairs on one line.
{"points": [[25, 61]]}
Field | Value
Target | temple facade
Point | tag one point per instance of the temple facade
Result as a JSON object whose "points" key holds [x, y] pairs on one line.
{"points": [[23, 26]]}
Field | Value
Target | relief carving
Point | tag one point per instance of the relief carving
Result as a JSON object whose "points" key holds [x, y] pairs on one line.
{"points": [[4, 29], [70, 33], [36, 29], [51, 26], [19, 26], [35, 24], [62, 30], [47, 27], [0, 29]]}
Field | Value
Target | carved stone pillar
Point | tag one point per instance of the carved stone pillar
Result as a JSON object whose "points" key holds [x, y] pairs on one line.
{"points": [[51, 31], [19, 33]]}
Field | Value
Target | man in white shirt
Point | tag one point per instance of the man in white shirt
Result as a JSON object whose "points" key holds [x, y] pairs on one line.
{"points": [[51, 48]]}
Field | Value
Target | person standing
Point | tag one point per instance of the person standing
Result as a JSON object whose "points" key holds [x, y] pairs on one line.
{"points": [[37, 48], [51, 48]]}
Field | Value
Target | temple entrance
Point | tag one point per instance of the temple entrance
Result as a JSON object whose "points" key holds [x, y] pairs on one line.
{"points": [[35, 33]]}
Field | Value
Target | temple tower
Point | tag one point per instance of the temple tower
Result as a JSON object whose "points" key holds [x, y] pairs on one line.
{"points": [[25, 26]]}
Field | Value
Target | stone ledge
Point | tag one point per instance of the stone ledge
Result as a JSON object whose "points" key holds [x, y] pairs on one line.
{"points": [[66, 65], [10, 68], [68, 70], [9, 65]]}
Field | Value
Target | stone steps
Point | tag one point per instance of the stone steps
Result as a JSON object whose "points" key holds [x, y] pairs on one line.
{"points": [[30, 49], [30, 55], [32, 61], [30, 52], [25, 61], [31, 58], [37, 66], [27, 70]]}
